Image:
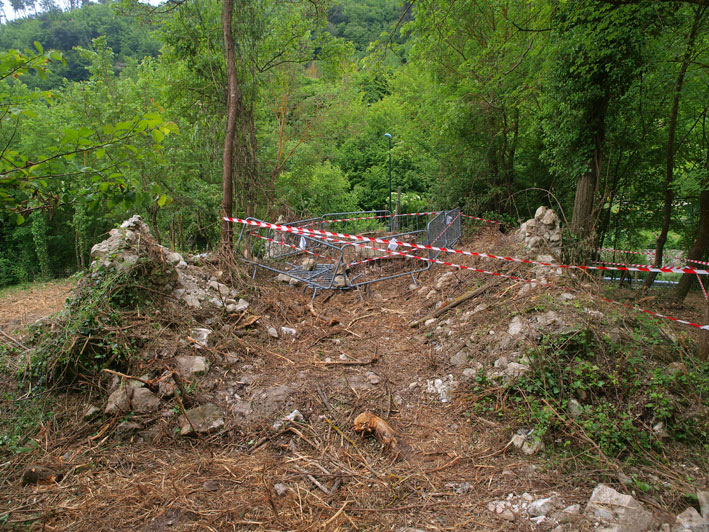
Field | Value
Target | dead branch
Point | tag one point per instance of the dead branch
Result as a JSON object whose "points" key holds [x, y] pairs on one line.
{"points": [[465, 297]]}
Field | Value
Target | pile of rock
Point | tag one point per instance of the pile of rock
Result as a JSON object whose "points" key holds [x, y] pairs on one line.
{"points": [[542, 234], [607, 510], [132, 244]]}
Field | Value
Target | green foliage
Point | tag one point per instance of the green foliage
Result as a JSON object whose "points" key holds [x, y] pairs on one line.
{"points": [[494, 107], [64, 30], [90, 336], [17, 426], [622, 391], [365, 21], [323, 189], [39, 234]]}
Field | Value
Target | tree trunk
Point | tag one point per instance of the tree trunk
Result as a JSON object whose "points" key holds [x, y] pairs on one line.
{"points": [[233, 98], [671, 148], [701, 244], [582, 219]]}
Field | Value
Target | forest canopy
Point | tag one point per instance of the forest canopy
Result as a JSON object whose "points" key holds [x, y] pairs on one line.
{"points": [[595, 108]]}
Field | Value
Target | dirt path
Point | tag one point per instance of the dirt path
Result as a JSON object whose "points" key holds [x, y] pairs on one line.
{"points": [[19, 307], [355, 354]]}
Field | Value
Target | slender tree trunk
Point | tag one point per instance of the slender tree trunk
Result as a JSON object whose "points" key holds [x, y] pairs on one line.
{"points": [[582, 220], [699, 249], [509, 159], [232, 106], [671, 147], [606, 220]]}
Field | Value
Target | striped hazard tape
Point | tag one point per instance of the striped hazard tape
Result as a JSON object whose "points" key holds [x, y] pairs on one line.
{"points": [[514, 278], [297, 248], [697, 262], [453, 265], [621, 264], [485, 220], [649, 252], [656, 314], [317, 233]]}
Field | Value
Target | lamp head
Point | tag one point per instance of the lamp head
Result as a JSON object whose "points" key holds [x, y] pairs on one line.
{"points": [[387, 135]]}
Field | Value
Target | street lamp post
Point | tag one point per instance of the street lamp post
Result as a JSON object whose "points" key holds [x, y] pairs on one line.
{"points": [[391, 219]]}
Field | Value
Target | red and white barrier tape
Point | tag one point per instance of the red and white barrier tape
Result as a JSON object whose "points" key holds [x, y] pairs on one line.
{"points": [[373, 259], [703, 289], [697, 261], [621, 264], [298, 248], [608, 250], [316, 233], [656, 314], [485, 220], [434, 261], [478, 270]]}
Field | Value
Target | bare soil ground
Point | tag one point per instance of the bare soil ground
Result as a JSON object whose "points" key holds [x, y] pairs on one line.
{"points": [[21, 307], [352, 352]]}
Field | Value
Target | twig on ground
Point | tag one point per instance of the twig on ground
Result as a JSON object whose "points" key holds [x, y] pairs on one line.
{"points": [[15, 341], [323, 398], [123, 375]]}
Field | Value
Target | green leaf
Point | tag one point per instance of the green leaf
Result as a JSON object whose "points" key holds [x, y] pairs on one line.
{"points": [[162, 200], [169, 127], [70, 136], [100, 152], [123, 125], [157, 136], [39, 47], [19, 219]]}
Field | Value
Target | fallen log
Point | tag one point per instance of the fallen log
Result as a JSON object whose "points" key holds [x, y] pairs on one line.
{"points": [[445, 308]]}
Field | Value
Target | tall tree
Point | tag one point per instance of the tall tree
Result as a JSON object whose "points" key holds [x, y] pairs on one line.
{"points": [[233, 97], [596, 55], [698, 20]]}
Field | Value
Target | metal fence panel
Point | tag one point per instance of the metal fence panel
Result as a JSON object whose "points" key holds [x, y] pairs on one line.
{"points": [[326, 265]]}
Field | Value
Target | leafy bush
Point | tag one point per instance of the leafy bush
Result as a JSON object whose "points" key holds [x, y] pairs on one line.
{"points": [[91, 335], [316, 190], [626, 399]]}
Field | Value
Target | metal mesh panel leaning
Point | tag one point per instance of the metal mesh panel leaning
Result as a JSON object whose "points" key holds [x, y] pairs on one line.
{"points": [[323, 265]]}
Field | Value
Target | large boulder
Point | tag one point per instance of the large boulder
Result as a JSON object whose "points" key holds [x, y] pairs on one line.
{"points": [[621, 512], [205, 418]]}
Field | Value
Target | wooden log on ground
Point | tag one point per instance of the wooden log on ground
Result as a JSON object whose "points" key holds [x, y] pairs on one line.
{"points": [[445, 308]]}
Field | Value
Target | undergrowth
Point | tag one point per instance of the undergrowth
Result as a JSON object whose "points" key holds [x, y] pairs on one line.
{"points": [[93, 331], [23, 412], [623, 398]]}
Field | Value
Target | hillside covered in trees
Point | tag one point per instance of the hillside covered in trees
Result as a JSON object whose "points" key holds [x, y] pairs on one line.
{"points": [[598, 109]]}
